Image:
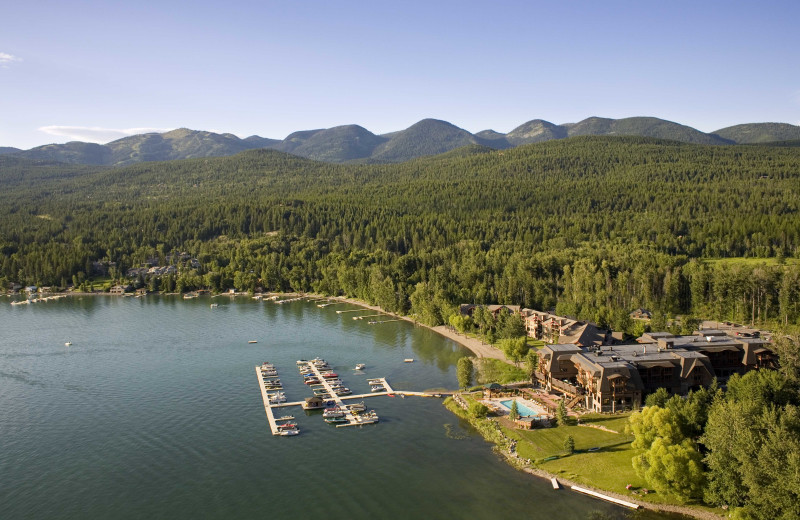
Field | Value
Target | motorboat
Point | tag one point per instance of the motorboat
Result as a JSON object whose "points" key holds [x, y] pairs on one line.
{"points": [[377, 388], [357, 407], [361, 366], [336, 420], [286, 433], [332, 413]]}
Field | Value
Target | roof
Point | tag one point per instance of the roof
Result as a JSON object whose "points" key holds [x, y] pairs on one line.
{"points": [[493, 386]]}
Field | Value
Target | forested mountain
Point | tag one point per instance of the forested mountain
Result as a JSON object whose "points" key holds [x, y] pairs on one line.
{"points": [[760, 133], [643, 126], [428, 137], [337, 144], [177, 144], [594, 226], [8, 149], [535, 131], [74, 152], [353, 143]]}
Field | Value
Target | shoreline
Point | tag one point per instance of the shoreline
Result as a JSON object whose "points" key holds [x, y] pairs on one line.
{"points": [[481, 350]]}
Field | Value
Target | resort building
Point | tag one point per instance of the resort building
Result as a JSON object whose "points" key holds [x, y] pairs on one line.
{"points": [[562, 330], [618, 377]]}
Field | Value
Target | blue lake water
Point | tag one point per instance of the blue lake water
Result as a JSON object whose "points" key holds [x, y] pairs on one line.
{"points": [[154, 411]]}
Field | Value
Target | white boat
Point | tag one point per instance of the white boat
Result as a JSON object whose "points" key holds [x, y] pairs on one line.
{"points": [[214, 305], [286, 433], [408, 360], [361, 366], [68, 343], [252, 341]]}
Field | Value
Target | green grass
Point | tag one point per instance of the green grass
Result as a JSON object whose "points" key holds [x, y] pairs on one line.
{"points": [[546, 442], [489, 370]]}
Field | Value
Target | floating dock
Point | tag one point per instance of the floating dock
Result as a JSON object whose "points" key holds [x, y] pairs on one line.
{"points": [[267, 406], [605, 497], [352, 419]]}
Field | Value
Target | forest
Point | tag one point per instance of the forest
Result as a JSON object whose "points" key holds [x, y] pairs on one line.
{"points": [[590, 226]]}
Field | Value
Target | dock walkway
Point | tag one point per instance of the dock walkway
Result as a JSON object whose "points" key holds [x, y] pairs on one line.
{"points": [[273, 425], [352, 419]]}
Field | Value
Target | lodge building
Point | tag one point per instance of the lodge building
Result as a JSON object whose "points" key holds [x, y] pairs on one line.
{"points": [[617, 377]]}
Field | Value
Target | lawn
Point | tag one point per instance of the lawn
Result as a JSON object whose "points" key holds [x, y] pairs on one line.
{"points": [[489, 370], [547, 442]]}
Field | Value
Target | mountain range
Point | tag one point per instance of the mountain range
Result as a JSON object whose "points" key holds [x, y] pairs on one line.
{"points": [[353, 143]]}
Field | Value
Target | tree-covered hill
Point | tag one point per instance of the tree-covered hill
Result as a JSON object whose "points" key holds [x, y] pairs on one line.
{"points": [[428, 137], [645, 127], [760, 133], [353, 143], [594, 225], [536, 131]]}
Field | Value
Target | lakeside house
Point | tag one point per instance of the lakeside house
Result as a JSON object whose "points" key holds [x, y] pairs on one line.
{"points": [[613, 378], [120, 289]]}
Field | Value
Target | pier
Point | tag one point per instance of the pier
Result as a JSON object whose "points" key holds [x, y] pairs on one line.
{"points": [[273, 425], [353, 419]]}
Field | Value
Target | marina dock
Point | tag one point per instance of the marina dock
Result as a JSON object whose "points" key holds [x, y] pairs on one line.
{"points": [[273, 425], [353, 419]]}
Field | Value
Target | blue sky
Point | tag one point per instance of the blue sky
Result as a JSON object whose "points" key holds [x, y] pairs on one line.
{"points": [[98, 70]]}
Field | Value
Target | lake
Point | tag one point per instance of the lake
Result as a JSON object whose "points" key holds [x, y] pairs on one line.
{"points": [[154, 411]]}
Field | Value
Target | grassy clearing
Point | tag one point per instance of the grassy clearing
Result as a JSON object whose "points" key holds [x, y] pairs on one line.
{"points": [[489, 370], [547, 442]]}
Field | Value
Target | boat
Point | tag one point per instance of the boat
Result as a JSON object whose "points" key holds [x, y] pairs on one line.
{"points": [[343, 391], [285, 418], [332, 413], [330, 375], [301, 361], [286, 433], [336, 420], [408, 360], [68, 344], [360, 366], [356, 407], [252, 341], [377, 388], [214, 305], [311, 382]]}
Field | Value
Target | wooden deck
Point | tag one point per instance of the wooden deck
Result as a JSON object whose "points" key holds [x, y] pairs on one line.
{"points": [[353, 419], [273, 425]]}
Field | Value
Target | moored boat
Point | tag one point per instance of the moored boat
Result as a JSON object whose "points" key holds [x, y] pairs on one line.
{"points": [[361, 366]]}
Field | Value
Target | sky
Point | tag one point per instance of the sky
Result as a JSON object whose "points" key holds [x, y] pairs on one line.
{"points": [[100, 70]]}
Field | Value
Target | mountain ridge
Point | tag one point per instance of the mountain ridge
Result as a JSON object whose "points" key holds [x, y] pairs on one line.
{"points": [[354, 143]]}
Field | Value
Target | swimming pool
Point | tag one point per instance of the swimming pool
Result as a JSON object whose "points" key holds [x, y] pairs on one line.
{"points": [[523, 410]]}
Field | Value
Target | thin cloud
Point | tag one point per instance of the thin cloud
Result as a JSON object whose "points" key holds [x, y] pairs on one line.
{"points": [[6, 59], [96, 134]]}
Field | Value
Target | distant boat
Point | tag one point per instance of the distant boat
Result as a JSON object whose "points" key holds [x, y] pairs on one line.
{"points": [[252, 341], [408, 360], [68, 343], [361, 366], [214, 305]]}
